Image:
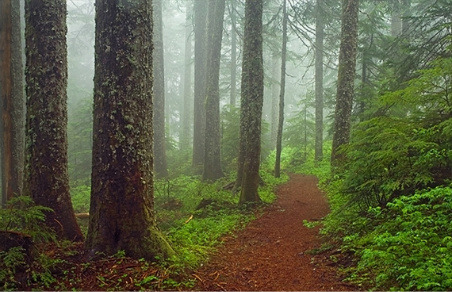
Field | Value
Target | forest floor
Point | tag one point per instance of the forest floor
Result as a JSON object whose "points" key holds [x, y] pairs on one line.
{"points": [[276, 251]]}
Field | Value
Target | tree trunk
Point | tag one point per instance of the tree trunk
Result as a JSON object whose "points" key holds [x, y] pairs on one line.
{"points": [[160, 165], [319, 38], [281, 95], [122, 199], [252, 100], [187, 110], [199, 126], [346, 78], [275, 91], [406, 13], [232, 99], [12, 100], [396, 18], [46, 178], [212, 161]]}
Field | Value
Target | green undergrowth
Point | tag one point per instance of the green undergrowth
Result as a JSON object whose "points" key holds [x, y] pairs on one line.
{"points": [[195, 216], [405, 245], [25, 223], [391, 195], [409, 245]]}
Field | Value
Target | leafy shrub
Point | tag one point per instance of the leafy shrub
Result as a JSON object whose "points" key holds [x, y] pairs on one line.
{"points": [[390, 157], [391, 201], [412, 247]]}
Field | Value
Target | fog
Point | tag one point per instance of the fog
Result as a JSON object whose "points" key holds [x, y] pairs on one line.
{"points": [[299, 97]]}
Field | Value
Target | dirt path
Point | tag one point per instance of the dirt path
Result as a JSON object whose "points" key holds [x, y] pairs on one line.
{"points": [[271, 253]]}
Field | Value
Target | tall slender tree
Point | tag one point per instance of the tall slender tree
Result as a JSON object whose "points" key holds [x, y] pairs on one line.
{"points": [[160, 165], [346, 78], [47, 180], [281, 94], [233, 95], [199, 125], [251, 102], [122, 199], [187, 109], [12, 100], [319, 39], [396, 17], [212, 159], [275, 91]]}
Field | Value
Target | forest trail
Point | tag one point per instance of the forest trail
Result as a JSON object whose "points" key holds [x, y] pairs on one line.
{"points": [[272, 252]]}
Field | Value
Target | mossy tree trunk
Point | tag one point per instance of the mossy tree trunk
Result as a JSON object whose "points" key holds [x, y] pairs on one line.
{"points": [[199, 125], [46, 179], [212, 156], [160, 165], [12, 100], [281, 94], [346, 78], [251, 101], [121, 211], [319, 39]]}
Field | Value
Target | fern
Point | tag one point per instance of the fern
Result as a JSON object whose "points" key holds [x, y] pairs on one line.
{"points": [[22, 215]]}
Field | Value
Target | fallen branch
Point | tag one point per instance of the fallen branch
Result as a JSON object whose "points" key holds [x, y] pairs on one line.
{"points": [[82, 215]]}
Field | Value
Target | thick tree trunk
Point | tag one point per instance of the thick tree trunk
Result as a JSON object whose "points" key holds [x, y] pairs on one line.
{"points": [[121, 212], [160, 165], [187, 110], [346, 78], [252, 100], [199, 125], [46, 178], [12, 100], [281, 95], [212, 159], [319, 38]]}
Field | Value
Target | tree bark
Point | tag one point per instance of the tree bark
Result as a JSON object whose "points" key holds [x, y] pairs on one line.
{"points": [[281, 95], [252, 100], [346, 78], [212, 159], [46, 178], [12, 100], [122, 199], [160, 165], [319, 39], [199, 125]]}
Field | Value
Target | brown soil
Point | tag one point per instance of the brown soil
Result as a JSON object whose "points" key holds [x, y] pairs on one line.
{"points": [[274, 252]]}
